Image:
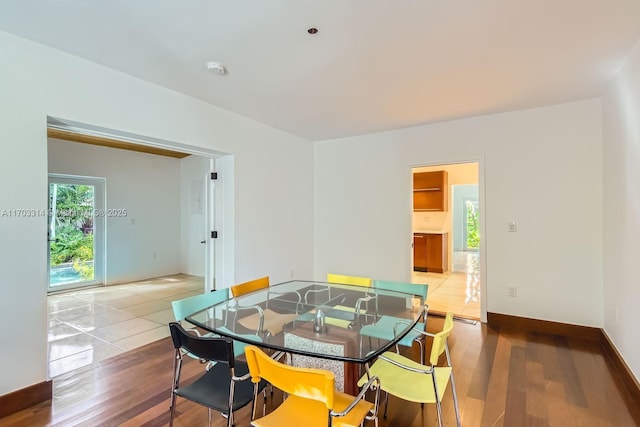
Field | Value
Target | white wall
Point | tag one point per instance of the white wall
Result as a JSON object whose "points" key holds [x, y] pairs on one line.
{"points": [[193, 171], [273, 177], [621, 196], [23, 254], [541, 168], [145, 243]]}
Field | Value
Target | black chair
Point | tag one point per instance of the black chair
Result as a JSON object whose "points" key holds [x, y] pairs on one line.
{"points": [[224, 387]]}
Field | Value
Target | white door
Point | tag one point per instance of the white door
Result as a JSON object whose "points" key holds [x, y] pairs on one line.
{"points": [[209, 231], [197, 249]]}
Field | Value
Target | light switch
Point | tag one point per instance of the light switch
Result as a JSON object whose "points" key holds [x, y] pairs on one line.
{"points": [[513, 227]]}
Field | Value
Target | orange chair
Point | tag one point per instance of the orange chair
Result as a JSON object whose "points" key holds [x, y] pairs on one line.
{"points": [[265, 321], [311, 395], [250, 286]]}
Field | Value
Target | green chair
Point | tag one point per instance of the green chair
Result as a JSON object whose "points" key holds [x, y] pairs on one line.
{"points": [[416, 382], [187, 306], [385, 327]]}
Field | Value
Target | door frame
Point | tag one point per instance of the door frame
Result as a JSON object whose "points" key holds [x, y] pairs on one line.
{"points": [[223, 254], [483, 218], [209, 228]]}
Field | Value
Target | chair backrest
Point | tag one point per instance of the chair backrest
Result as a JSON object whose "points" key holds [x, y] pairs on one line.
{"points": [[216, 349], [349, 280], [440, 339], [250, 286], [409, 288], [186, 306], [315, 384]]}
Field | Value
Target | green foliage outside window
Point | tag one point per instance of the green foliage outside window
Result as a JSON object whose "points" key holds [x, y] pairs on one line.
{"points": [[473, 235], [72, 214]]}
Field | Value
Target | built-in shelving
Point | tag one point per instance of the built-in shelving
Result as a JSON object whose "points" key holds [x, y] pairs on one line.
{"points": [[430, 191]]}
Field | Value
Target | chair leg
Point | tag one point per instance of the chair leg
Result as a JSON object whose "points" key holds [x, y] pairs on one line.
{"points": [[172, 409], [453, 385], [439, 413], [455, 399], [437, 396], [255, 400], [230, 422], [264, 408], [386, 403], [421, 351]]}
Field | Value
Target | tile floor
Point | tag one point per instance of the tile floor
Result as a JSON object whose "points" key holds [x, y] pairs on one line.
{"points": [[90, 325], [457, 291]]}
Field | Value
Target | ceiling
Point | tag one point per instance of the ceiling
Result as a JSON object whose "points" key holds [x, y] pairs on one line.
{"points": [[374, 65]]}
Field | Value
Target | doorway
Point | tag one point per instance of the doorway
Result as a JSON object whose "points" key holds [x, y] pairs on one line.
{"points": [[76, 231], [145, 250], [455, 284], [168, 193]]}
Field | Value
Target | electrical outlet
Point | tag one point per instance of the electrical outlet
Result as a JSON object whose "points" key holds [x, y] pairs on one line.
{"points": [[512, 291], [513, 227]]}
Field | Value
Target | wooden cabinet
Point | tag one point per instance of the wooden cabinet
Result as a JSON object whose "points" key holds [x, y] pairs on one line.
{"points": [[430, 191], [419, 252], [430, 252]]}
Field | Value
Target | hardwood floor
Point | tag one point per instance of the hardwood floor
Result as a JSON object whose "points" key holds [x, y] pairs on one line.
{"points": [[504, 377]]}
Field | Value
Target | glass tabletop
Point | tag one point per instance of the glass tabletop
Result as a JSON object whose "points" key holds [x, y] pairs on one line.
{"points": [[314, 319]]}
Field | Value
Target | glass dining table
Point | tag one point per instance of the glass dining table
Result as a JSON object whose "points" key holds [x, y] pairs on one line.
{"points": [[317, 323]]}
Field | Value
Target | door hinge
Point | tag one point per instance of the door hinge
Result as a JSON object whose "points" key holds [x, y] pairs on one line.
{"points": [[214, 234], [214, 175]]}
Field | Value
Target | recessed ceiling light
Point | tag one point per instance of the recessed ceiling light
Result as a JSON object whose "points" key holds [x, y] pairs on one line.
{"points": [[216, 67], [312, 30]]}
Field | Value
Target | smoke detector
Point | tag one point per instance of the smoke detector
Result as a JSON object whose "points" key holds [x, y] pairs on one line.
{"points": [[216, 68]]}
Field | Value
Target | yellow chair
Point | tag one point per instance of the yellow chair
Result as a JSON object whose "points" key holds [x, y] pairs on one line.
{"points": [[265, 321], [413, 381], [311, 395], [349, 280]]}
